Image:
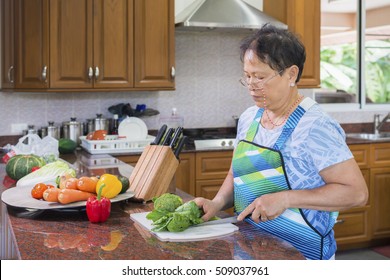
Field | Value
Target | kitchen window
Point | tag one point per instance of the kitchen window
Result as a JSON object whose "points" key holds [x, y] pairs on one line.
{"points": [[355, 52]]}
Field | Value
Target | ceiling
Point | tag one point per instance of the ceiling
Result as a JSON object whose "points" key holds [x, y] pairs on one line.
{"points": [[338, 20], [348, 6]]}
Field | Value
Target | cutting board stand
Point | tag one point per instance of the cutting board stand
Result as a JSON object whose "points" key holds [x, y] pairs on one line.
{"points": [[153, 173]]}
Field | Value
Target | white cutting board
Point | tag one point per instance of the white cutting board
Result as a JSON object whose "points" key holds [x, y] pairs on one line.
{"points": [[191, 234]]}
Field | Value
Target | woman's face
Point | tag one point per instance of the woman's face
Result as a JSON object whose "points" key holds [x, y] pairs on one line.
{"points": [[265, 84]]}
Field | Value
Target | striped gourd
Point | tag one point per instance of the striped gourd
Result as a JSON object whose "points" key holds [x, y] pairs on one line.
{"points": [[20, 165]]}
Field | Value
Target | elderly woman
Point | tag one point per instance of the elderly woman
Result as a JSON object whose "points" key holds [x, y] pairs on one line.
{"points": [[291, 169]]}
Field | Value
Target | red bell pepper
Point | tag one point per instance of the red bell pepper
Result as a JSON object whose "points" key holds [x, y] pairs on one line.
{"points": [[98, 207]]}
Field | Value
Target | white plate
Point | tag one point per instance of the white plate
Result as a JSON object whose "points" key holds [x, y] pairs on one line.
{"points": [[133, 128], [21, 197]]}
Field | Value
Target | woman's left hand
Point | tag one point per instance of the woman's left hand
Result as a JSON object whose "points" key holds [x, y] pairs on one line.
{"points": [[266, 207]]}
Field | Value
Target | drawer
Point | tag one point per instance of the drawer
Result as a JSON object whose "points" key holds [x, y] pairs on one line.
{"points": [[361, 154], [352, 226], [380, 155], [213, 165]]}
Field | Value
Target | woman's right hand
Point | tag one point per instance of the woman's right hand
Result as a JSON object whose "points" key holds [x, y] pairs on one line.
{"points": [[210, 207]]}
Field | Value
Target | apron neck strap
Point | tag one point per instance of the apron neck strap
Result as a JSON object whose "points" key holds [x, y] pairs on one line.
{"points": [[250, 135], [288, 127]]}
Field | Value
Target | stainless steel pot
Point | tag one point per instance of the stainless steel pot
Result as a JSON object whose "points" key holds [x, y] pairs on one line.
{"points": [[100, 123], [73, 130], [53, 130], [89, 126]]}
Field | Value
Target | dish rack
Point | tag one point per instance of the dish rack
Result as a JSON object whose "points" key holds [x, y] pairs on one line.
{"points": [[114, 145]]}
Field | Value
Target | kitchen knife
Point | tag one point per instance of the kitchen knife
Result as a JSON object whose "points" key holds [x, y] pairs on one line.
{"points": [[168, 137], [160, 135], [175, 137], [180, 145], [228, 220]]}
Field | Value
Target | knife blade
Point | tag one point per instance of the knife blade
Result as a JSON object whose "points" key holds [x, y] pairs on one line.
{"points": [[175, 137], [181, 142], [232, 219], [168, 136], [160, 135]]}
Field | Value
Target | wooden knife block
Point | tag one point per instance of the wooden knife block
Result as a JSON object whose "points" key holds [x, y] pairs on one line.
{"points": [[153, 173]]}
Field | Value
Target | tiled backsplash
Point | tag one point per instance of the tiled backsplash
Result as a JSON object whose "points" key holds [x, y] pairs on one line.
{"points": [[207, 91]]}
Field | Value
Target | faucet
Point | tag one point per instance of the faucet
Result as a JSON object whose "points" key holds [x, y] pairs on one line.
{"points": [[378, 123]]}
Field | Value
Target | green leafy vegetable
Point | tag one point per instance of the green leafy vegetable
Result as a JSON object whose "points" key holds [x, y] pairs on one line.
{"points": [[167, 202], [170, 214], [46, 174]]}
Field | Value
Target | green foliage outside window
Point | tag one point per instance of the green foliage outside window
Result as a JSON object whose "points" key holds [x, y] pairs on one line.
{"points": [[339, 69]]}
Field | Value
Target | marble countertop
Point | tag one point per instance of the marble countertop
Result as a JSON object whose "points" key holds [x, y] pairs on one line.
{"points": [[67, 234]]}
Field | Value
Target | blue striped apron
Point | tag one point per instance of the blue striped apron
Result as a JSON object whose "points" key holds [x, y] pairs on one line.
{"points": [[259, 170]]}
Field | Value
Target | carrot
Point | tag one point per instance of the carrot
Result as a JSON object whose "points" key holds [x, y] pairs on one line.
{"points": [[66, 196], [51, 195], [71, 183], [63, 179], [87, 184]]}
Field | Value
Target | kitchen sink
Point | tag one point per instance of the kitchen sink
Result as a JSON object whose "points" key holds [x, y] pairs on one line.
{"points": [[383, 136], [227, 143]]}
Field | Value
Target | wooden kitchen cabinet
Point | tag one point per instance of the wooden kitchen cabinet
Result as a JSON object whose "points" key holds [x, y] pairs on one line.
{"points": [[303, 18], [380, 183], [91, 44], [353, 226], [31, 44], [369, 225], [7, 44], [185, 173], [154, 44], [213, 165], [211, 171]]}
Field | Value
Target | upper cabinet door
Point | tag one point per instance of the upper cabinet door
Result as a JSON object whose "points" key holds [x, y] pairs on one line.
{"points": [[154, 44], [113, 44], [32, 44], [7, 40], [303, 18], [71, 45]]}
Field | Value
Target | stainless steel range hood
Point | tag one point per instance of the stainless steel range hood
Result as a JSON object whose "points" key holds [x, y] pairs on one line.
{"points": [[223, 14]]}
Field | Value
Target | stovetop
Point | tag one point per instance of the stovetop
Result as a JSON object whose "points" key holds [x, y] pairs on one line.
{"points": [[210, 138]]}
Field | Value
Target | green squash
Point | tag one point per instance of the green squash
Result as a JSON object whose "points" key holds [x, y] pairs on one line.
{"points": [[20, 165], [66, 146]]}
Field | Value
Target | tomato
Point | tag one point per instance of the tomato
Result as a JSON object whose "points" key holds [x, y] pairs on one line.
{"points": [[50, 186], [37, 190]]}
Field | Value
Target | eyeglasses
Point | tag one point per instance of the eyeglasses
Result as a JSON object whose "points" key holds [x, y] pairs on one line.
{"points": [[257, 83]]}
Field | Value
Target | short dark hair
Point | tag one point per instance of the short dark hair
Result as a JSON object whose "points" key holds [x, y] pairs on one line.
{"points": [[276, 47]]}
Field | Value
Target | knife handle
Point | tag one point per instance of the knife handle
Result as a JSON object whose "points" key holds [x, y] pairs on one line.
{"points": [[175, 137], [180, 145], [160, 135], [168, 136]]}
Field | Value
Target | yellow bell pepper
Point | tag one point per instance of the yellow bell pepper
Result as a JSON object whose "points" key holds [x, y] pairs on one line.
{"points": [[113, 185]]}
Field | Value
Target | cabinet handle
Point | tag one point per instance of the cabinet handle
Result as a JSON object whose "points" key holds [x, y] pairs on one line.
{"points": [[339, 222], [97, 73], [10, 70], [90, 72], [44, 73], [173, 72]]}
